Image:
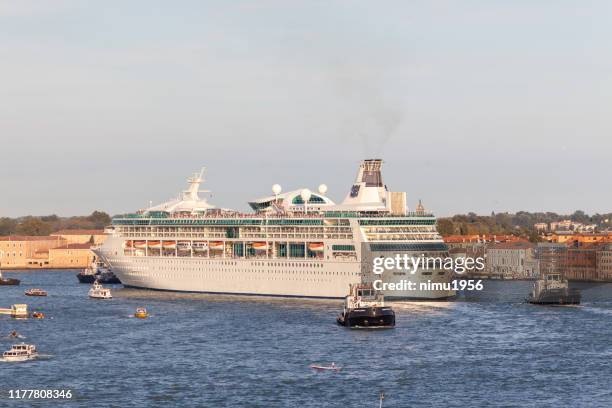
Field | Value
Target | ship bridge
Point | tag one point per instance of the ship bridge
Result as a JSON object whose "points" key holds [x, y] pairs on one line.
{"points": [[188, 201]]}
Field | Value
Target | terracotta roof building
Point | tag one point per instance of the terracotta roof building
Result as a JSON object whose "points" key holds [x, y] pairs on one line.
{"points": [[16, 250], [80, 236]]}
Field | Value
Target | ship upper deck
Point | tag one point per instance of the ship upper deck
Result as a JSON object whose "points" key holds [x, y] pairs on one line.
{"points": [[238, 218]]}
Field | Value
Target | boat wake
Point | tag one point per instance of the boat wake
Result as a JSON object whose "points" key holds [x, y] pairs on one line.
{"points": [[597, 310], [422, 307]]}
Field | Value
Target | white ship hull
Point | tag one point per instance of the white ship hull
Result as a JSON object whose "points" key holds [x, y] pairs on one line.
{"points": [[20, 358], [266, 277]]}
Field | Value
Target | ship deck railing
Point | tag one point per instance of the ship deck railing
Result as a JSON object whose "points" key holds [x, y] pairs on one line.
{"points": [[317, 215]]}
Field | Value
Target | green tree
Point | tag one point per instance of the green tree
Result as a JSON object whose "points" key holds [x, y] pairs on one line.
{"points": [[7, 226], [33, 226], [445, 227], [99, 219]]}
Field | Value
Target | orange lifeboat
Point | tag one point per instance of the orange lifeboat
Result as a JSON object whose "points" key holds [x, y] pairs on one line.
{"points": [[169, 244], [129, 244], [316, 246], [155, 244], [260, 246], [216, 245], [140, 244]]}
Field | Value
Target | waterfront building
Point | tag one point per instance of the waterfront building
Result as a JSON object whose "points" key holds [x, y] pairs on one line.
{"points": [[80, 236], [71, 256], [512, 260], [67, 256], [604, 263], [570, 238], [551, 257], [16, 251], [581, 262]]}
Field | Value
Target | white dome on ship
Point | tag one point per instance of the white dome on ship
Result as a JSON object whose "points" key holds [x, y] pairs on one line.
{"points": [[293, 200]]}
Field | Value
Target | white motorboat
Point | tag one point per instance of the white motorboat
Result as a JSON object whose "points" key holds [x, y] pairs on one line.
{"points": [[99, 292], [20, 352], [332, 367]]}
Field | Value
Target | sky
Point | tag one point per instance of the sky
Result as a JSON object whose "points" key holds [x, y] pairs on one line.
{"points": [[473, 105]]}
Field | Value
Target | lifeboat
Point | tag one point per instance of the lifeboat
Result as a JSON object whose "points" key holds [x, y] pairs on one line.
{"points": [[260, 246], [218, 245], [140, 244], [35, 292], [183, 245], [128, 244], [141, 313], [169, 244], [316, 246], [155, 244], [200, 246]]}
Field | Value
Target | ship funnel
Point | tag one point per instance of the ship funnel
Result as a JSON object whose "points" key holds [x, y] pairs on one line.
{"points": [[368, 187]]}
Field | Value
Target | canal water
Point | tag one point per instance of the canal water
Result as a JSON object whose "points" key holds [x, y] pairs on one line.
{"points": [[485, 348]]}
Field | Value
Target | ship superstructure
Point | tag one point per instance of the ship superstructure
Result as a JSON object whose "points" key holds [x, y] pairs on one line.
{"points": [[298, 243]]}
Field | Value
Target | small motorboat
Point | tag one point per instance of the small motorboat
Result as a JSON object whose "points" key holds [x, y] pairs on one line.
{"points": [[38, 315], [365, 308], [331, 367], [141, 313], [98, 292], [20, 352], [35, 292], [14, 335], [8, 281]]}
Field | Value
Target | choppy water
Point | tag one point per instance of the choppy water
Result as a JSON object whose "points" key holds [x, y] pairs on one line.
{"points": [[485, 349]]}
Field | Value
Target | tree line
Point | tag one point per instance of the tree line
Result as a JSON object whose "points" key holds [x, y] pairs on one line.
{"points": [[48, 224], [520, 223]]}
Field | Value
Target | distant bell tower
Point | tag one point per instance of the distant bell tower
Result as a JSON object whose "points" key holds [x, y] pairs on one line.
{"points": [[420, 209]]}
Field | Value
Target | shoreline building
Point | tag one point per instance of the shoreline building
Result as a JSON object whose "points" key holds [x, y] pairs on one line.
{"points": [[81, 236], [16, 251], [582, 262], [512, 260], [604, 263]]}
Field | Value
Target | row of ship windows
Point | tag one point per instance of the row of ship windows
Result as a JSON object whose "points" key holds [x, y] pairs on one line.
{"points": [[263, 271], [234, 263], [245, 278], [229, 263]]}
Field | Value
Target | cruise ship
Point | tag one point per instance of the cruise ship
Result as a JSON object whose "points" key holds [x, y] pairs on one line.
{"points": [[293, 244]]}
